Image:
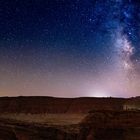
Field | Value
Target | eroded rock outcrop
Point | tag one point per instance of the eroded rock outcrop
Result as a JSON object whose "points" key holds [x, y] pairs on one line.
{"points": [[111, 125]]}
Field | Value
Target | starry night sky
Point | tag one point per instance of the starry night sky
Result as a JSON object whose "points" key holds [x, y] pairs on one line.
{"points": [[70, 48]]}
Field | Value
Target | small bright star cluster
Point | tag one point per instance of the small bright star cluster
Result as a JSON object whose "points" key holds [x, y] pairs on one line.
{"points": [[70, 48]]}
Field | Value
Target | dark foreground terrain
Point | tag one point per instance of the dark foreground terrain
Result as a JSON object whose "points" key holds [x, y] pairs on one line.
{"points": [[47, 118]]}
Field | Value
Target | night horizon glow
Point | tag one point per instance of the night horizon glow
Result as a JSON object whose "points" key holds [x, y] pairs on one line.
{"points": [[70, 48]]}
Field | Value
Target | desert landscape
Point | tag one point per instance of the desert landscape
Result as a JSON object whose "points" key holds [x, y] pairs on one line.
{"points": [[49, 118], [69, 69]]}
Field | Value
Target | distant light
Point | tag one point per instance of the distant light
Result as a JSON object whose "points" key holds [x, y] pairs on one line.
{"points": [[100, 94]]}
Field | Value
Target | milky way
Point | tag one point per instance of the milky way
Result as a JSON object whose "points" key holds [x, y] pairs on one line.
{"points": [[70, 48]]}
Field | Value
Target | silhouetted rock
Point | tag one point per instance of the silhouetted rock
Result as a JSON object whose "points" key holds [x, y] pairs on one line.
{"points": [[51, 105]]}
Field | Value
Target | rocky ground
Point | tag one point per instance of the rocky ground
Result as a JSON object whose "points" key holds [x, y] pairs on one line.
{"points": [[111, 125], [26, 118], [17, 130]]}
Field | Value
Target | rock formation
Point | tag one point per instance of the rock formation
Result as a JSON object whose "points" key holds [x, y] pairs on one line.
{"points": [[105, 119], [51, 105], [111, 125]]}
